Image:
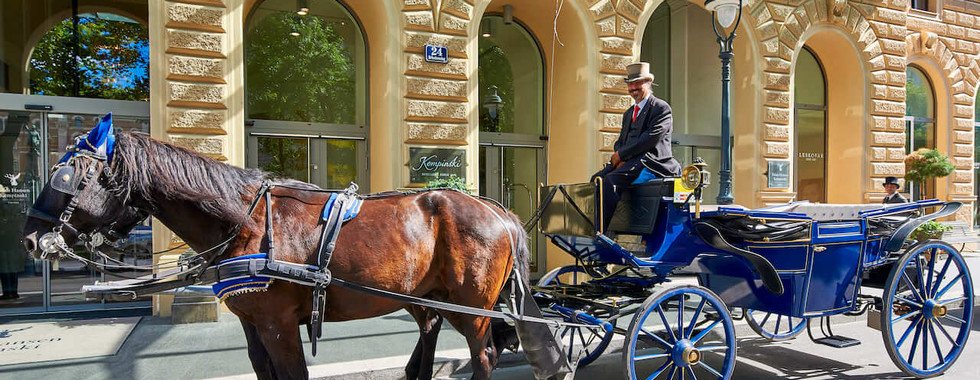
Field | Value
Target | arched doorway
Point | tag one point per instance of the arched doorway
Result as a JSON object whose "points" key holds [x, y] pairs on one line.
{"points": [[61, 69], [920, 123], [810, 110], [512, 137], [306, 93]]}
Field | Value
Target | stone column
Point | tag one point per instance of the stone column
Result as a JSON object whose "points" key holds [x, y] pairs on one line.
{"points": [[197, 101]]}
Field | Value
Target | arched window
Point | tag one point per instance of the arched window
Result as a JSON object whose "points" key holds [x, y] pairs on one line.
{"points": [[104, 56], [810, 98], [306, 92], [920, 117]]}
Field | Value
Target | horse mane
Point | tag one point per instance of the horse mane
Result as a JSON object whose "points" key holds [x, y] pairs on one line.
{"points": [[145, 168]]}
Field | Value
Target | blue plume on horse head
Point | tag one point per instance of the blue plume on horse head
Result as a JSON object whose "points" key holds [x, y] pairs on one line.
{"points": [[100, 141]]}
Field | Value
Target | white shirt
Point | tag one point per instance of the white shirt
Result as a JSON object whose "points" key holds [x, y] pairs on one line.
{"points": [[639, 106]]}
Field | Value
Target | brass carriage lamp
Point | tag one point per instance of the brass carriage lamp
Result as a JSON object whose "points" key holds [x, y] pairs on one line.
{"points": [[493, 103], [726, 13]]}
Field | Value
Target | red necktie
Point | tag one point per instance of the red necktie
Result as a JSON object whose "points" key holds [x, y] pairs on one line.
{"points": [[636, 111]]}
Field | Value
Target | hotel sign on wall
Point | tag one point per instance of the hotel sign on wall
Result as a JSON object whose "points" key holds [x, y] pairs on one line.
{"points": [[778, 174], [427, 164]]}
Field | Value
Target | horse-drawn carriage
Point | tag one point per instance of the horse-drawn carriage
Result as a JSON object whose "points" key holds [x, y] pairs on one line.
{"points": [[778, 267], [275, 249]]}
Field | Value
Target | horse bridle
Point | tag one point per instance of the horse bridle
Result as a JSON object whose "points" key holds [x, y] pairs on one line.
{"points": [[64, 180]]}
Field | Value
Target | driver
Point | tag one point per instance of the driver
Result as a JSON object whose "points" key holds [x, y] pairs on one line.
{"points": [[644, 141]]}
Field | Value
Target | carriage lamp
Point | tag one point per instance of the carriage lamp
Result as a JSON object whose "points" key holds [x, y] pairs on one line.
{"points": [[493, 104], [302, 7], [726, 12]]}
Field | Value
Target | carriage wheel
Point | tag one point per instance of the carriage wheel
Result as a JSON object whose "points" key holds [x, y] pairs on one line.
{"points": [[694, 341], [927, 309], [577, 342], [774, 327]]}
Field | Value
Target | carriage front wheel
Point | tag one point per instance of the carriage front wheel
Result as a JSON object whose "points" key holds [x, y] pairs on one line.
{"points": [[585, 344], [774, 327], [927, 309], [684, 330]]}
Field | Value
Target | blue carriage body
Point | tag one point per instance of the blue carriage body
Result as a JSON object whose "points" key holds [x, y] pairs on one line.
{"points": [[820, 269]]}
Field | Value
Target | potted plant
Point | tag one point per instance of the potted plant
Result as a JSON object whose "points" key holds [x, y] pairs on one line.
{"points": [[930, 230], [926, 164], [453, 182]]}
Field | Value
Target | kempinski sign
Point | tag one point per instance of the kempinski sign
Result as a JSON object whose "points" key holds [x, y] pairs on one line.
{"points": [[427, 164]]}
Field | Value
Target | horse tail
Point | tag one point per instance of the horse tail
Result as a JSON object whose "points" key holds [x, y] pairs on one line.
{"points": [[522, 251]]}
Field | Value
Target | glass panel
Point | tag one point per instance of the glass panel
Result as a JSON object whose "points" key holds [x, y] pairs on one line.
{"points": [[20, 149], [304, 67], [809, 80], [712, 157], [919, 97], [510, 59], [810, 163], [924, 135], [341, 163], [285, 156], [519, 184], [655, 49], [105, 55]]}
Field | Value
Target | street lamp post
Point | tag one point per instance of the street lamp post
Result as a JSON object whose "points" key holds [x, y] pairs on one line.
{"points": [[493, 103], [725, 12]]}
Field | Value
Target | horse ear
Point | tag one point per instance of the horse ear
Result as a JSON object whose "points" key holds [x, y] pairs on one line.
{"points": [[102, 139]]}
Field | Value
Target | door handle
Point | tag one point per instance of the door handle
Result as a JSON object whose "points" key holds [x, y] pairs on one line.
{"points": [[819, 248]]}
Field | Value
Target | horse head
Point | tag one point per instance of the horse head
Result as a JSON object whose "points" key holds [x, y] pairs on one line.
{"points": [[79, 201]]}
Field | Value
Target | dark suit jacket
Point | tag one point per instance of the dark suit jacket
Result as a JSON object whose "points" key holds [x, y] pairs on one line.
{"points": [[898, 198], [649, 138]]}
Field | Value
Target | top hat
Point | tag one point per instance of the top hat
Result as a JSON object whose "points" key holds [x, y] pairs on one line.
{"points": [[638, 71], [891, 181]]}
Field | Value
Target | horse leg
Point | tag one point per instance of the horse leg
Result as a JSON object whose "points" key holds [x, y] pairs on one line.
{"points": [[430, 322], [285, 347], [261, 362], [483, 354]]}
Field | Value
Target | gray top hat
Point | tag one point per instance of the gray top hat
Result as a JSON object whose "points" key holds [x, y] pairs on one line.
{"points": [[891, 181], [638, 71]]}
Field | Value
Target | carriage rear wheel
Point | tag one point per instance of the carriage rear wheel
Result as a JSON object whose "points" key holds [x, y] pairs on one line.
{"points": [[583, 343], [684, 330], [774, 327], [927, 309]]}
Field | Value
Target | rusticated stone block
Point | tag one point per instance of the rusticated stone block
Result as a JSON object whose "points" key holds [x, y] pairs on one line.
{"points": [[612, 121], [963, 137], [458, 7], [778, 149], [894, 47], [896, 154], [777, 98], [617, 44], [885, 107], [880, 91], [770, 30], [455, 67], [962, 188], [879, 154], [624, 27], [896, 124], [607, 26], [419, 40], [616, 102], [608, 139], [962, 176], [448, 22], [436, 87], [895, 62], [780, 11], [417, 131], [962, 123], [210, 146], [197, 41], [197, 93], [777, 115], [415, 2], [630, 10], [882, 169], [963, 163], [433, 109], [760, 13], [877, 63], [197, 119], [879, 122], [602, 8], [776, 81], [888, 138], [963, 111], [201, 67], [777, 132], [778, 65], [962, 149], [771, 46], [421, 20], [614, 62], [891, 16], [613, 82], [195, 15]]}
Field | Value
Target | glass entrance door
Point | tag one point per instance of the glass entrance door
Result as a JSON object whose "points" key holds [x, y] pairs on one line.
{"points": [[510, 175], [330, 158]]}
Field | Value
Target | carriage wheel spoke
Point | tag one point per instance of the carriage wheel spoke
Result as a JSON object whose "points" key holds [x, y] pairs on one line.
{"points": [[950, 337], [906, 316], [944, 302], [915, 341], [935, 342], [657, 338], [925, 344], [912, 289], [908, 301], [948, 286], [704, 332], [939, 278], [779, 318], [712, 348], [956, 319], [690, 371], [765, 319], [709, 369], [908, 330], [694, 319], [652, 356], [680, 320], [673, 369], [932, 267], [666, 324]]}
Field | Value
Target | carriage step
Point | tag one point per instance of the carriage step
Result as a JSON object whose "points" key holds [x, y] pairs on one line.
{"points": [[838, 341]]}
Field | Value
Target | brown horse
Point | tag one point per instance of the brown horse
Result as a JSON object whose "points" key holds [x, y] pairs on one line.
{"points": [[442, 245]]}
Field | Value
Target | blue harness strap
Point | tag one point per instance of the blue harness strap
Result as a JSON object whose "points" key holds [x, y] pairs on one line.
{"points": [[238, 286], [351, 212]]}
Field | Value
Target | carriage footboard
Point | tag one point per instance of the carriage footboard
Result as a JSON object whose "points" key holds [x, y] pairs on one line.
{"points": [[770, 279]]}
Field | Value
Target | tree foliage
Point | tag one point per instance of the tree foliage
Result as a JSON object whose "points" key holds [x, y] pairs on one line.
{"points": [[925, 164], [306, 77], [495, 70], [113, 60]]}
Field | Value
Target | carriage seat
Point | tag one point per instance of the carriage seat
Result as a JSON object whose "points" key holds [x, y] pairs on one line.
{"points": [[826, 212]]}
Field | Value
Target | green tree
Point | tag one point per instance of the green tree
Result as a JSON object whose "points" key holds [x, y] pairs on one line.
{"points": [[495, 70], [299, 69], [112, 60]]}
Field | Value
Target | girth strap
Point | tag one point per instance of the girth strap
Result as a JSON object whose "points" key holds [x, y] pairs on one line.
{"points": [[334, 219]]}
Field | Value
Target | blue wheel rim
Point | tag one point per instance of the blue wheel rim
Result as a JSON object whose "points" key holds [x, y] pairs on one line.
{"points": [[703, 326], [928, 309], [589, 343], [774, 327]]}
